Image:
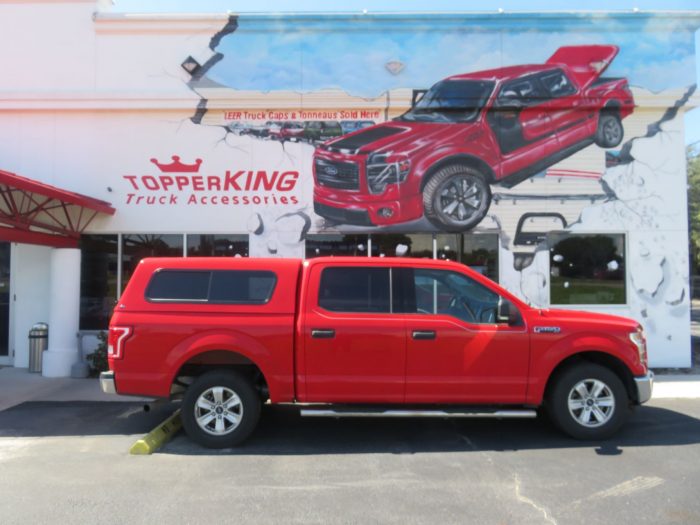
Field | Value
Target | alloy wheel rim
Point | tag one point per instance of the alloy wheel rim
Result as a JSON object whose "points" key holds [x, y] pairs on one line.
{"points": [[591, 403], [611, 131], [218, 411], [459, 198]]}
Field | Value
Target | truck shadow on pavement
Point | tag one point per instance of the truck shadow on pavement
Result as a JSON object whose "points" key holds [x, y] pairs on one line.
{"points": [[282, 431], [81, 418]]}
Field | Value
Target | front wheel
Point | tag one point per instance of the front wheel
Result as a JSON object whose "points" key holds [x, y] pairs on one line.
{"points": [[220, 409], [456, 198], [610, 132], [588, 401]]}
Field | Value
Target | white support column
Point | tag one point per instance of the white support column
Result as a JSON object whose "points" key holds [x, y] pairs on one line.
{"points": [[64, 313]]}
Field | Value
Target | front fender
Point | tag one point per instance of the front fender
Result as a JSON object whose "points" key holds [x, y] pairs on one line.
{"points": [[544, 361]]}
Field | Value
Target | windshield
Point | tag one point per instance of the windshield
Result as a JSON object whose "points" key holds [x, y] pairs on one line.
{"points": [[451, 101]]}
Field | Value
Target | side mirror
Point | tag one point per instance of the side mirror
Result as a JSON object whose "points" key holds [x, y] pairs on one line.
{"points": [[506, 313]]}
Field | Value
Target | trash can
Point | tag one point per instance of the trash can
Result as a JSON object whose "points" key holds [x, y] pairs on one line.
{"points": [[38, 342]]}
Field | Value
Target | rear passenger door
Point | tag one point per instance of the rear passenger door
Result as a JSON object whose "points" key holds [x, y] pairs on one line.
{"points": [[354, 344]]}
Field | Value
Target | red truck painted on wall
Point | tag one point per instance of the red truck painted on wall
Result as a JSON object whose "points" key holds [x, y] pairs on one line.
{"points": [[467, 132], [344, 336]]}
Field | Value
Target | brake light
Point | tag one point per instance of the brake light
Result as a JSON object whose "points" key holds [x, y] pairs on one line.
{"points": [[115, 341]]}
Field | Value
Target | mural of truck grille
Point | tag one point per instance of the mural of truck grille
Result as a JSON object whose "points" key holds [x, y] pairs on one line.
{"points": [[340, 175]]}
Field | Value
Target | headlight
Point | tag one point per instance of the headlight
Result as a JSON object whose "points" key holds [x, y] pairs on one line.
{"points": [[384, 169], [641, 343]]}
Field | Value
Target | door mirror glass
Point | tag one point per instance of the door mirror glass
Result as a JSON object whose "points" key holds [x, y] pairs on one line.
{"points": [[507, 313]]}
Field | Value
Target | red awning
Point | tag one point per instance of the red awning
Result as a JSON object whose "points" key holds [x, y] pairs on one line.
{"points": [[32, 212]]}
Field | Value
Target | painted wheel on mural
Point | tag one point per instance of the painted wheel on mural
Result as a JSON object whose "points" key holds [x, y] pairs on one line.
{"points": [[588, 401], [610, 132], [456, 198]]}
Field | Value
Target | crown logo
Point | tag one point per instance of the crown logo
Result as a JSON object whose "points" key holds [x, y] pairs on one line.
{"points": [[178, 167]]}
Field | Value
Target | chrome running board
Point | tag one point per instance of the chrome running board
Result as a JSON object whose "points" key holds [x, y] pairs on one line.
{"points": [[456, 413]]}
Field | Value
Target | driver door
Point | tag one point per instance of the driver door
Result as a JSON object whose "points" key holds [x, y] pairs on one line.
{"points": [[456, 352]]}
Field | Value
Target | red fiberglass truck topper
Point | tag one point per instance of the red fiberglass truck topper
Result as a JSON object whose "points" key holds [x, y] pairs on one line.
{"points": [[351, 336], [468, 131]]}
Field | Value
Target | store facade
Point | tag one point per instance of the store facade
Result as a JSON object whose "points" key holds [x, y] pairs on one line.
{"points": [[546, 151]]}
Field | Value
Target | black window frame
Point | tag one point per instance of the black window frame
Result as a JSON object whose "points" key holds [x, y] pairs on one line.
{"points": [[208, 300]]}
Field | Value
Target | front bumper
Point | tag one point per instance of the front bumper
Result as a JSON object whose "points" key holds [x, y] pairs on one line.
{"points": [[645, 385], [107, 382]]}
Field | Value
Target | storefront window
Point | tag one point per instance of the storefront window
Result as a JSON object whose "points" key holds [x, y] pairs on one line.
{"points": [[137, 247], [217, 245], [587, 269], [98, 280], [336, 244], [479, 251], [402, 245]]}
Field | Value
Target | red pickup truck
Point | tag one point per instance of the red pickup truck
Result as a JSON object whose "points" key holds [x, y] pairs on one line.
{"points": [[467, 132], [351, 336]]}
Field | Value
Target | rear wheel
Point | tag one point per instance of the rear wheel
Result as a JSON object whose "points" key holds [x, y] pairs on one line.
{"points": [[456, 198], [220, 409], [588, 401], [610, 132]]}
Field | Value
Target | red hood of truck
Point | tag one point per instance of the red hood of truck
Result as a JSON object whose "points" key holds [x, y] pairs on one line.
{"points": [[403, 137], [556, 315]]}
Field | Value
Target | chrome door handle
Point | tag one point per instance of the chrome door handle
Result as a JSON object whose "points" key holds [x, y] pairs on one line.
{"points": [[424, 334], [322, 334]]}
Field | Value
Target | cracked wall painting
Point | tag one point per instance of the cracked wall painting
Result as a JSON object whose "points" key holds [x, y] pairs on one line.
{"points": [[400, 124]]}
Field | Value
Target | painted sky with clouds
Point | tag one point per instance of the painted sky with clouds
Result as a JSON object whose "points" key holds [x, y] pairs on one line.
{"points": [[307, 54]]}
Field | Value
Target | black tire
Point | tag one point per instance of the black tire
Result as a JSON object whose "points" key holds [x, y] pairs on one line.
{"points": [[460, 186], [572, 421], [610, 131], [248, 409]]}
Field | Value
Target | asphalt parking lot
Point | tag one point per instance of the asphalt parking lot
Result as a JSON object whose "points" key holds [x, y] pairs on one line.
{"points": [[69, 462]]}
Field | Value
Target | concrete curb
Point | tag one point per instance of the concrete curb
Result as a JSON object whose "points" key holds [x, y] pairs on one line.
{"points": [[157, 437], [676, 386]]}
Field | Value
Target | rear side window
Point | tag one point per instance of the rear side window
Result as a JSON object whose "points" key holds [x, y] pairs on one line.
{"points": [[215, 286], [355, 289]]}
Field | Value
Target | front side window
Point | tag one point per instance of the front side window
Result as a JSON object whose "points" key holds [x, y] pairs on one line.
{"points": [[521, 92], [587, 269], [450, 293], [557, 84], [355, 289]]}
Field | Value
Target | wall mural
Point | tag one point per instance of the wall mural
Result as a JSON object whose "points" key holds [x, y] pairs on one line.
{"points": [[400, 124]]}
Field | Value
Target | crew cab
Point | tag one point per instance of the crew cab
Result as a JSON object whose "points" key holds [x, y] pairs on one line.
{"points": [[351, 337], [466, 133]]}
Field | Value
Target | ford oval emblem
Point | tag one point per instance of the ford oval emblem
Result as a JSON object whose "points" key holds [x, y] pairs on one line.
{"points": [[330, 170]]}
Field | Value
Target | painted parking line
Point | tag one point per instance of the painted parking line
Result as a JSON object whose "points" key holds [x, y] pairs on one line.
{"points": [[157, 437]]}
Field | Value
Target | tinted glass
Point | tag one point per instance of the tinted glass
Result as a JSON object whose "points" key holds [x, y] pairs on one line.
{"points": [[136, 247], [557, 84], [98, 280], [524, 91], [587, 269], [176, 285], [401, 245], [355, 290], [335, 244], [217, 246], [451, 101], [450, 293], [241, 287]]}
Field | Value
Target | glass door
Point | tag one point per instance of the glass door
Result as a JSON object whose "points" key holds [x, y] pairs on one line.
{"points": [[5, 358]]}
